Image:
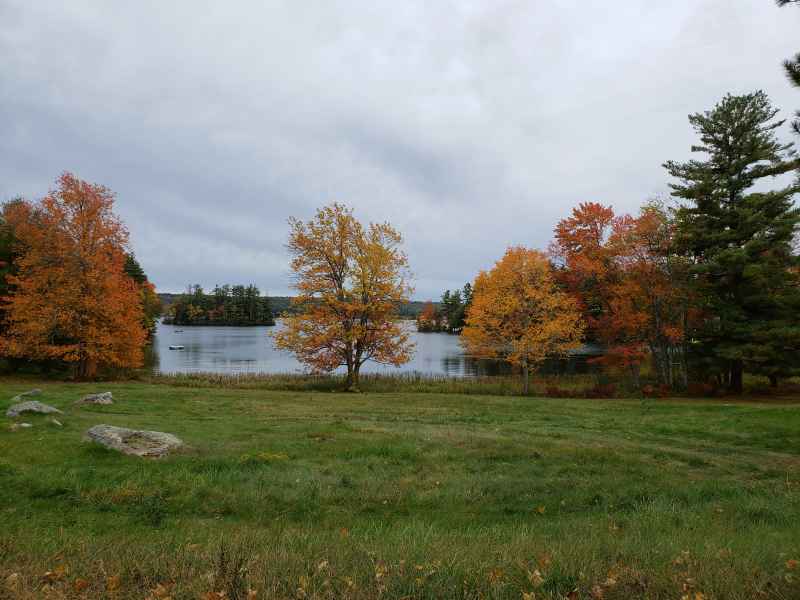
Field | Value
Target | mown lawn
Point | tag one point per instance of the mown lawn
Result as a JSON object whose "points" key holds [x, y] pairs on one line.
{"points": [[321, 495]]}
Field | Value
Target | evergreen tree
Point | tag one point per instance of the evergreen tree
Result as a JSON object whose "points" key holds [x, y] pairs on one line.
{"points": [[151, 304], [226, 305], [792, 67], [452, 308], [467, 293], [739, 241], [134, 270]]}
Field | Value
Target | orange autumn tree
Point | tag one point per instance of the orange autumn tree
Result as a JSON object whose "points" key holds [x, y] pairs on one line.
{"points": [[519, 314], [350, 280], [587, 263], [590, 270], [428, 318], [72, 300], [630, 285], [650, 299]]}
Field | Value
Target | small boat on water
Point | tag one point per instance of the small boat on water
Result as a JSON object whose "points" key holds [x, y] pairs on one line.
{"points": [[179, 331], [176, 347]]}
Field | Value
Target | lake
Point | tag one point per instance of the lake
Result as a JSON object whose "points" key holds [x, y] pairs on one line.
{"points": [[250, 350]]}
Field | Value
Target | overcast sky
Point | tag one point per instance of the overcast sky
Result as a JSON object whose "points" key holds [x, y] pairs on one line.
{"points": [[469, 125]]}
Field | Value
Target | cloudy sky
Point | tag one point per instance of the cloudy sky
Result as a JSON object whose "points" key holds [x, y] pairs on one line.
{"points": [[469, 125]]}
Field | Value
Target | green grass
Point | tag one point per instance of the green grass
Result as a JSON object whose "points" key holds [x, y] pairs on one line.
{"points": [[395, 495]]}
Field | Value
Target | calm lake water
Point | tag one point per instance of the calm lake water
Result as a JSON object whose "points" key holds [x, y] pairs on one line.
{"points": [[250, 350]]}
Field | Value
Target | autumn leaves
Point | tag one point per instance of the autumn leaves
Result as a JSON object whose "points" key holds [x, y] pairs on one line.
{"points": [[71, 300], [605, 275], [350, 280], [518, 313]]}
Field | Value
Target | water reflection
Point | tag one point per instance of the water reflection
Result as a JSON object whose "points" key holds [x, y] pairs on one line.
{"points": [[250, 350]]}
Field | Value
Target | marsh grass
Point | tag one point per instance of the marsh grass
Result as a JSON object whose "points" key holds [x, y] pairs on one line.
{"points": [[383, 383], [302, 494]]}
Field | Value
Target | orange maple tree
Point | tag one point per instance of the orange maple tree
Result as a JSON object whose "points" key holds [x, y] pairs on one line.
{"points": [[519, 314], [72, 300], [649, 300], [627, 280], [350, 281], [587, 263]]}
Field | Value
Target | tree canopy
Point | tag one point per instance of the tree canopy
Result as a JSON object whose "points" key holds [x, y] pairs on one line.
{"points": [[350, 280], [519, 314], [73, 301], [739, 240]]}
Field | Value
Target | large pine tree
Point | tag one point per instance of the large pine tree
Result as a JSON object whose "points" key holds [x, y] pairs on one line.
{"points": [[739, 236]]}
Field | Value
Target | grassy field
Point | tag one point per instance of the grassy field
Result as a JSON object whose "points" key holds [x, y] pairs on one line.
{"points": [[322, 495]]}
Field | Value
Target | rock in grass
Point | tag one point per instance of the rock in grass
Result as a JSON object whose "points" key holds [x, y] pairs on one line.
{"points": [[102, 398], [134, 442], [31, 406], [23, 395]]}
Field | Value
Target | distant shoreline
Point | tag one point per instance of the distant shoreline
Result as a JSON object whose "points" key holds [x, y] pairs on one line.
{"points": [[221, 324]]}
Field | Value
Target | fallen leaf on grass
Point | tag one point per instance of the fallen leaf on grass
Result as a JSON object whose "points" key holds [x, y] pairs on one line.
{"points": [[12, 581], [79, 585], [161, 592], [58, 573], [791, 564], [545, 560], [496, 575], [113, 583]]}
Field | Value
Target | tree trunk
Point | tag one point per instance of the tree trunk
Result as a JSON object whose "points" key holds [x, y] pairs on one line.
{"points": [[737, 370], [635, 374], [350, 379], [525, 378], [657, 359], [773, 381], [353, 387]]}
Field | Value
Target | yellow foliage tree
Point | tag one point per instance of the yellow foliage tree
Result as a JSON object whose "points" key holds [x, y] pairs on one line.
{"points": [[72, 300], [518, 313], [350, 280]]}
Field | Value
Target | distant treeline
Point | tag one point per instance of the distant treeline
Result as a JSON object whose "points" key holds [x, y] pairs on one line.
{"points": [[283, 304], [225, 305]]}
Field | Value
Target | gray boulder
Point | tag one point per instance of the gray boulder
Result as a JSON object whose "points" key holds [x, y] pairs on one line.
{"points": [[103, 398], [31, 406], [134, 442], [23, 395]]}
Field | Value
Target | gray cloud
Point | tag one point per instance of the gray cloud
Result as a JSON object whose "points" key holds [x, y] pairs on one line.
{"points": [[468, 125]]}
